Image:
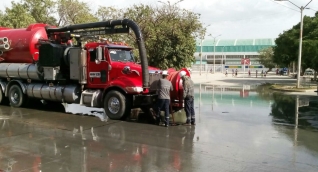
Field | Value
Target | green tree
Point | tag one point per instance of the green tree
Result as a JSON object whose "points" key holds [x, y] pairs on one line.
{"points": [[26, 12], [266, 58], [286, 48], [169, 33], [17, 16], [310, 44], [3, 20], [287, 45], [74, 12], [42, 10], [108, 13]]}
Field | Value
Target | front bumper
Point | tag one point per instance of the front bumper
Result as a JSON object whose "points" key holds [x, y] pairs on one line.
{"points": [[144, 100], [150, 100]]}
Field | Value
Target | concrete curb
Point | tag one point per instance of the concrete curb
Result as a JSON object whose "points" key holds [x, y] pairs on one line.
{"points": [[292, 90]]}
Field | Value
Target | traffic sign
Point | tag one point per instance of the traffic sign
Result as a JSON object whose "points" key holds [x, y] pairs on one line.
{"points": [[245, 61]]}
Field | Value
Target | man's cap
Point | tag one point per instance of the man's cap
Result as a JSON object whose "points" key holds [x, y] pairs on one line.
{"points": [[165, 72], [183, 73]]}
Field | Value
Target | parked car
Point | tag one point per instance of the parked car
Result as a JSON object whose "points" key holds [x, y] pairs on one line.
{"points": [[283, 72], [309, 72]]}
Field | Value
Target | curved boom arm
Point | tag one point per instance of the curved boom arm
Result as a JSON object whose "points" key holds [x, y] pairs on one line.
{"points": [[112, 23]]}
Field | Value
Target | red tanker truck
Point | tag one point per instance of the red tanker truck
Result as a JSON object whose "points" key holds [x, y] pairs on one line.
{"points": [[41, 62]]}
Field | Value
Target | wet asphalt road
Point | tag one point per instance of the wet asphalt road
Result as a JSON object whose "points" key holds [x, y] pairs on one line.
{"points": [[253, 129]]}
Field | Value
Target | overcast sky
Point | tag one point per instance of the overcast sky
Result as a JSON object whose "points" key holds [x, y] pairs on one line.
{"points": [[230, 18]]}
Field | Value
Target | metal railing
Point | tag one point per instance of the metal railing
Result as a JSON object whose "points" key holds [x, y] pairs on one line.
{"points": [[219, 68]]}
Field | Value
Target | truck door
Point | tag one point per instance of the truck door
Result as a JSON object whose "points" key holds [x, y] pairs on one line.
{"points": [[97, 74]]}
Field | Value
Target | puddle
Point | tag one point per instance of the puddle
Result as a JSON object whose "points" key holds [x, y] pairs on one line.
{"points": [[83, 110], [232, 122], [253, 100], [258, 112]]}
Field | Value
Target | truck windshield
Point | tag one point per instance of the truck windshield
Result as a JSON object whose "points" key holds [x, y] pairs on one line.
{"points": [[121, 55]]}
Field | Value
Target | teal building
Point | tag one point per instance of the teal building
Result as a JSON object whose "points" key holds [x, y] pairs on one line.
{"points": [[229, 53]]}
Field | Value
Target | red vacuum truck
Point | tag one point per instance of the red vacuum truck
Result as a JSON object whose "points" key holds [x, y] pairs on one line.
{"points": [[42, 62]]}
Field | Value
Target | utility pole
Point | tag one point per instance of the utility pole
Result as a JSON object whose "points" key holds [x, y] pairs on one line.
{"points": [[214, 39]]}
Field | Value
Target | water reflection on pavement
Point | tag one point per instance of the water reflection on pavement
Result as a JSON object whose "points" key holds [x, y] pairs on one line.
{"points": [[241, 128], [260, 126]]}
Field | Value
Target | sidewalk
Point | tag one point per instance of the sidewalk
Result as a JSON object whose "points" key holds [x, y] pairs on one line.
{"points": [[280, 83], [210, 77]]}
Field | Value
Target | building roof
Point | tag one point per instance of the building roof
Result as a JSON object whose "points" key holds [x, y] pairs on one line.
{"points": [[237, 42], [234, 45]]}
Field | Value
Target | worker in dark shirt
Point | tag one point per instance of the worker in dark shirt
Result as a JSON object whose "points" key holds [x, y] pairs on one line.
{"points": [[163, 102], [188, 96]]}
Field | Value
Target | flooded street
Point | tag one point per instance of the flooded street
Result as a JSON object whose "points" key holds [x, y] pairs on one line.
{"points": [[239, 128], [259, 130]]}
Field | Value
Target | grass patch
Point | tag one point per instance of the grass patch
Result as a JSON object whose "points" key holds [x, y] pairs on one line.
{"points": [[292, 87]]}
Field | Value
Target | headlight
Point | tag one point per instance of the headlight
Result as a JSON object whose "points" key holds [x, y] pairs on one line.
{"points": [[126, 70], [134, 89]]}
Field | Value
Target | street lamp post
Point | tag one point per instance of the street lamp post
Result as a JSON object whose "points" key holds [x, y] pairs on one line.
{"points": [[214, 38], [300, 47], [214, 56], [201, 56], [222, 58], [300, 38], [202, 39]]}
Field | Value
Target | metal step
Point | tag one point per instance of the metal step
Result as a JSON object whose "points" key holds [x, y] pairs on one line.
{"points": [[91, 98]]}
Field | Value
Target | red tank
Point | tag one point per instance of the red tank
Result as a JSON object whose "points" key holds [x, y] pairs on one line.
{"points": [[177, 94], [23, 43]]}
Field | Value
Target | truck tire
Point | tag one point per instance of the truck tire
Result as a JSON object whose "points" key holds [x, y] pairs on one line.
{"points": [[116, 105], [16, 96], [3, 100]]}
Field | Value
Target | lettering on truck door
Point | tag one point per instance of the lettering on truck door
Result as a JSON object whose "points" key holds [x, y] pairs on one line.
{"points": [[98, 74]]}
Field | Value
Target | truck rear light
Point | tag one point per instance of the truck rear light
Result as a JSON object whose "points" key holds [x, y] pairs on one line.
{"points": [[134, 89]]}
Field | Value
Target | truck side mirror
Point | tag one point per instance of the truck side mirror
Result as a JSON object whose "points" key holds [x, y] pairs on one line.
{"points": [[99, 53]]}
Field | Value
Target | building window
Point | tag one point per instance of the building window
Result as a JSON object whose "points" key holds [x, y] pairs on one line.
{"points": [[209, 57], [234, 56], [251, 56]]}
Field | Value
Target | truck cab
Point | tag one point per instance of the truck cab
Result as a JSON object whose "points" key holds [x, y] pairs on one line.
{"points": [[112, 69], [108, 62]]}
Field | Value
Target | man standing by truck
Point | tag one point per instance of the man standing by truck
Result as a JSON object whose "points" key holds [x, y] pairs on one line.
{"points": [[188, 96], [163, 102]]}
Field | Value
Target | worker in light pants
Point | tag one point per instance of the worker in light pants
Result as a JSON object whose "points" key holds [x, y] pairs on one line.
{"points": [[164, 87]]}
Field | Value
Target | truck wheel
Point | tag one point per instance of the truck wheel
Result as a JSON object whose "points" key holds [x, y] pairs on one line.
{"points": [[16, 96], [3, 100], [115, 105]]}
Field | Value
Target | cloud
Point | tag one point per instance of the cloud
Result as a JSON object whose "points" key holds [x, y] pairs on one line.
{"points": [[250, 18]]}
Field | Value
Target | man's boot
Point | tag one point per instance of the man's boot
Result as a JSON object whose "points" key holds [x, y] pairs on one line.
{"points": [[192, 121], [167, 122], [188, 123], [158, 120]]}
